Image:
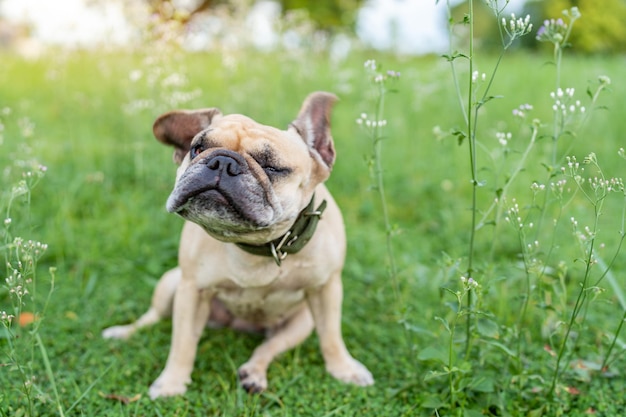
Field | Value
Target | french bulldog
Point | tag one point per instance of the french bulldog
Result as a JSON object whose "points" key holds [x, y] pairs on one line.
{"points": [[263, 245]]}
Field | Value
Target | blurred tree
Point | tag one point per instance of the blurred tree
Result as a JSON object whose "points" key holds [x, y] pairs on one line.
{"points": [[326, 15], [167, 10], [486, 31], [600, 29]]}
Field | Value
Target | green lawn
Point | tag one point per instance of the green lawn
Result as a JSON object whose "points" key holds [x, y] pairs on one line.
{"points": [[100, 210]]}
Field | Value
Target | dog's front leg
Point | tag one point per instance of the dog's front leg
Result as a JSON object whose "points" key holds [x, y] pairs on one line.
{"points": [[325, 305], [190, 314]]}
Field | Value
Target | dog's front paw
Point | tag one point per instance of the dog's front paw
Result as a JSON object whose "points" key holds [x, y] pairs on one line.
{"points": [[168, 386], [352, 372], [252, 378], [118, 332]]}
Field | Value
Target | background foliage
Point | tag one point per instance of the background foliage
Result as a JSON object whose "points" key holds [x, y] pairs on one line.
{"points": [[601, 29], [100, 209], [326, 15], [86, 116]]}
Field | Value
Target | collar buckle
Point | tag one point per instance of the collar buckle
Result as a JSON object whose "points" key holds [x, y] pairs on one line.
{"points": [[276, 249]]}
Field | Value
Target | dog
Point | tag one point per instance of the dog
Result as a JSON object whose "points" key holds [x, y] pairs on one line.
{"points": [[263, 245]]}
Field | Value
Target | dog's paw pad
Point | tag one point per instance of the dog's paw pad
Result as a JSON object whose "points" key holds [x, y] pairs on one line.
{"points": [[251, 379]]}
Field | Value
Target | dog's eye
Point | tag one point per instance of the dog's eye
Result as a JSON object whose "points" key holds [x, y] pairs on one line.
{"points": [[272, 171], [196, 150]]}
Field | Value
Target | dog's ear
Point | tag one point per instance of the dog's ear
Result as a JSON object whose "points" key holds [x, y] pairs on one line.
{"points": [[313, 124], [177, 128]]}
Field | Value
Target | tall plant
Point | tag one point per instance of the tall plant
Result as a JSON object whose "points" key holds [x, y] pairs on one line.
{"points": [[565, 181]]}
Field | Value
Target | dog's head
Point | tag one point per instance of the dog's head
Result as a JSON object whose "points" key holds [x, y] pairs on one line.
{"points": [[243, 181]]}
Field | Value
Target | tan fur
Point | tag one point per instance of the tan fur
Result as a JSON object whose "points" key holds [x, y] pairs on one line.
{"points": [[216, 282]]}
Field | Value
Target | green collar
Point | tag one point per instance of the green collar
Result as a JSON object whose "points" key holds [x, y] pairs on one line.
{"points": [[295, 238]]}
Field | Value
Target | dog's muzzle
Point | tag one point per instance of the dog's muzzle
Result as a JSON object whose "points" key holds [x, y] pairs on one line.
{"points": [[220, 171]]}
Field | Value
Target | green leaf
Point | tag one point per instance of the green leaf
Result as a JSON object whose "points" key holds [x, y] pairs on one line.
{"points": [[433, 401], [444, 322], [4, 333], [435, 374], [448, 290], [488, 328], [487, 99], [502, 348], [547, 167], [414, 328], [473, 413], [537, 412], [482, 384], [460, 135], [433, 353], [453, 56]]}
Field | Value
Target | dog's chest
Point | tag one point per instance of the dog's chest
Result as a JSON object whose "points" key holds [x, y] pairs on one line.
{"points": [[260, 305]]}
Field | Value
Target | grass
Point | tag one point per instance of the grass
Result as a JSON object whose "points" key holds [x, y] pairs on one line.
{"points": [[100, 209]]}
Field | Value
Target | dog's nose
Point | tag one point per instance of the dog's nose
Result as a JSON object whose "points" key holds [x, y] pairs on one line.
{"points": [[224, 164]]}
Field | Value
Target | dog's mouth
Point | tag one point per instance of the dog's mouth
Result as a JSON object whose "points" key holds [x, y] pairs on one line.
{"points": [[178, 203], [215, 202]]}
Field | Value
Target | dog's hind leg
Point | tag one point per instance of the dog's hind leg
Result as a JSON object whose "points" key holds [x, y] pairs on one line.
{"points": [[160, 307], [253, 374]]}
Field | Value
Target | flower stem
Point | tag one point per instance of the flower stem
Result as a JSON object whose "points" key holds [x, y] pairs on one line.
{"points": [[380, 186], [471, 134]]}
